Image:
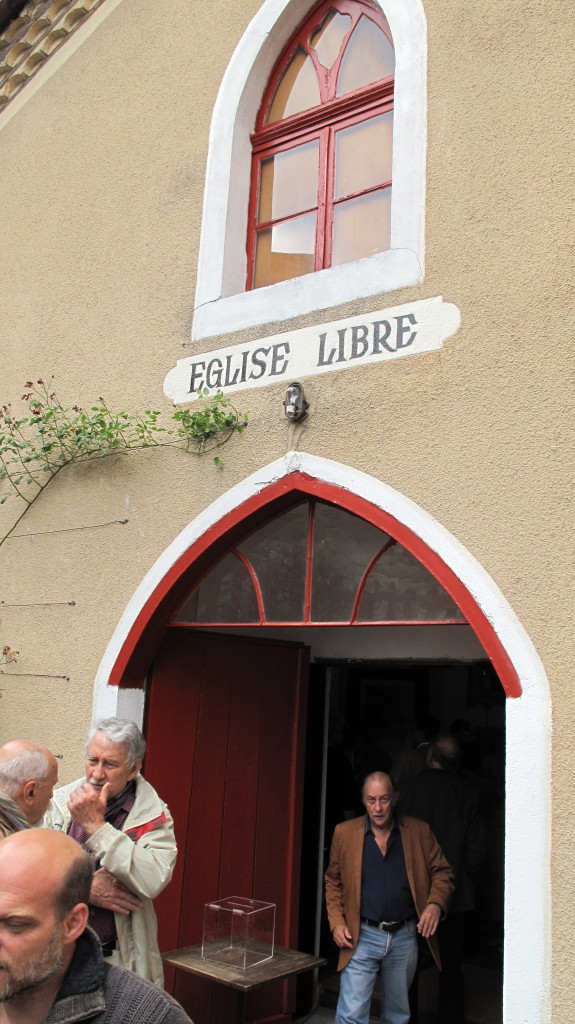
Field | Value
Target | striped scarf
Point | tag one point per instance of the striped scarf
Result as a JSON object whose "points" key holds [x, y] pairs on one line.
{"points": [[12, 819], [117, 810]]}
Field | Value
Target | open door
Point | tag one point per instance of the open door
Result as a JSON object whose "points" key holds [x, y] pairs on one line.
{"points": [[332, 567], [225, 728]]}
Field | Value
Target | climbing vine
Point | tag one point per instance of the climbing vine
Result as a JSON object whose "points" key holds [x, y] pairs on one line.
{"points": [[47, 436]]}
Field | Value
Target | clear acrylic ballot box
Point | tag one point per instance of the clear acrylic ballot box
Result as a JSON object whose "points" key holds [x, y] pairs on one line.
{"points": [[238, 932]]}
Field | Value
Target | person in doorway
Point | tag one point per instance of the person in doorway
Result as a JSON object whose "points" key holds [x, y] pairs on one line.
{"points": [[51, 964], [413, 759], [450, 806], [387, 881], [28, 774], [340, 780], [121, 821]]}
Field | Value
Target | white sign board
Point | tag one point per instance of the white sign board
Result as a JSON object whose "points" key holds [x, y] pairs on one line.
{"points": [[420, 326]]}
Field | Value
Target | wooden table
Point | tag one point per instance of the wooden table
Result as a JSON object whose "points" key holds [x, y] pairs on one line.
{"points": [[283, 964]]}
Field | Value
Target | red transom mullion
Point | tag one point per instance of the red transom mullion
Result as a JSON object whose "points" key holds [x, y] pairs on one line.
{"points": [[255, 581], [309, 563], [352, 104], [363, 582], [303, 35], [271, 623]]}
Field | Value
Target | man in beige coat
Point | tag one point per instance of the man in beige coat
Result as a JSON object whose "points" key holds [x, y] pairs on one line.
{"points": [[387, 881], [123, 824]]}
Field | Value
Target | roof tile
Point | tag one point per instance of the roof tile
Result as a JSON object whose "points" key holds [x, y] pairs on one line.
{"points": [[30, 39]]}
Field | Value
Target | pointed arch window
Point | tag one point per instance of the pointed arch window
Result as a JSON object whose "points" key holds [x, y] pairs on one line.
{"points": [[317, 564], [322, 149]]}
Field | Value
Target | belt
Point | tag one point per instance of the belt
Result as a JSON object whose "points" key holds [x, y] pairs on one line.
{"points": [[385, 926]]}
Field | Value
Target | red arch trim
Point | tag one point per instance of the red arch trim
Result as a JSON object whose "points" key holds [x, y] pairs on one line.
{"points": [[145, 634]]}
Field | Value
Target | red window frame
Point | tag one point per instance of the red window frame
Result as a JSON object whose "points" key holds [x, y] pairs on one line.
{"points": [[307, 619], [320, 122]]}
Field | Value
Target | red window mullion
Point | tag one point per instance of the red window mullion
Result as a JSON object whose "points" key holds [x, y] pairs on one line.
{"points": [[330, 178], [251, 240], [322, 202]]}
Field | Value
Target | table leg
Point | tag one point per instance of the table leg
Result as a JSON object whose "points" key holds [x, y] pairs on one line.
{"points": [[241, 1008]]}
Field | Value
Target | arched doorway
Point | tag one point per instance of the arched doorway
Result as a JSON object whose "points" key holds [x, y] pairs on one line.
{"points": [[501, 636]]}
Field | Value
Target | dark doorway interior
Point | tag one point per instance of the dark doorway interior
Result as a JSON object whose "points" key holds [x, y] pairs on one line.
{"points": [[362, 717]]}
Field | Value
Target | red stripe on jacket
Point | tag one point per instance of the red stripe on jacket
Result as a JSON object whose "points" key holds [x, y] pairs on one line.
{"points": [[140, 830]]}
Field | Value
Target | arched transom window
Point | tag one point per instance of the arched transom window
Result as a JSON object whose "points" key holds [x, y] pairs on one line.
{"points": [[322, 148], [318, 564]]}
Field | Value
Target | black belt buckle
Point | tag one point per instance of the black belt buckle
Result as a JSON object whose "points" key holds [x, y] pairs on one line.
{"points": [[385, 926], [390, 926]]}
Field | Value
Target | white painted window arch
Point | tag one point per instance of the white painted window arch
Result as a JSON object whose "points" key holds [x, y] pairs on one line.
{"points": [[221, 304]]}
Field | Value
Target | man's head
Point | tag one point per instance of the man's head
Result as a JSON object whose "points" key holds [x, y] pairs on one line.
{"points": [[425, 728], [44, 891], [380, 798], [28, 774], [444, 753], [114, 751]]}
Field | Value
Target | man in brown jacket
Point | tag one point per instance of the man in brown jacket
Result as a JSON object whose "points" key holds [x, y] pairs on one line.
{"points": [[387, 880]]}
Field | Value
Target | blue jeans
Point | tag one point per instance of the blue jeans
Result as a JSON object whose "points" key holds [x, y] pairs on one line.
{"points": [[391, 955]]}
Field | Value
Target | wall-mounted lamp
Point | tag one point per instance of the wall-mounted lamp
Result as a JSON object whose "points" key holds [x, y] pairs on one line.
{"points": [[295, 404]]}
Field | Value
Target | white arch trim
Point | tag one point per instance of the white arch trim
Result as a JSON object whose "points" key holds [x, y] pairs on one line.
{"points": [[528, 801], [222, 305]]}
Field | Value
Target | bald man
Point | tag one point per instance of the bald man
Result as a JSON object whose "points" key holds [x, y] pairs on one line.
{"points": [[28, 774], [51, 964], [387, 881]]}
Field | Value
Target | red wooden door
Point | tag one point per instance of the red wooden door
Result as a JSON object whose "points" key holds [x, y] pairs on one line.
{"points": [[225, 729]]}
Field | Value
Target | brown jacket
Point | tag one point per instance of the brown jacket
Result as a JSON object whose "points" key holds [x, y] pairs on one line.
{"points": [[430, 876]]}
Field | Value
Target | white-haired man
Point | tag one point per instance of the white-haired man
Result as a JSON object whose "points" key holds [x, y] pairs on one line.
{"points": [[120, 820], [28, 774]]}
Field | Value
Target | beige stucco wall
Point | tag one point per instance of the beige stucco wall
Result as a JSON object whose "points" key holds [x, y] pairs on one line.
{"points": [[101, 198]]}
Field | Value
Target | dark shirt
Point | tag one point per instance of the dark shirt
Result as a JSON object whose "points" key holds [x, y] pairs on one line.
{"points": [[385, 892], [450, 806], [117, 810]]}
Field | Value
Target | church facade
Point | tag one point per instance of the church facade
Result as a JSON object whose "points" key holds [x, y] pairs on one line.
{"points": [[351, 221]]}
